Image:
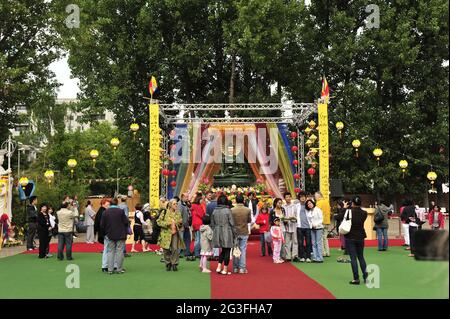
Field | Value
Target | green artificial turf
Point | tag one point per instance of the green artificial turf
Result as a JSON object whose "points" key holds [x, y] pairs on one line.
{"points": [[26, 276], [401, 277]]}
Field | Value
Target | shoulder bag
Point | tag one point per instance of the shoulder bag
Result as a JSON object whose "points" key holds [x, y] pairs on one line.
{"points": [[346, 223]]}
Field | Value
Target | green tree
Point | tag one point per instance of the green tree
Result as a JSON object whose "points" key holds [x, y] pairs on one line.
{"points": [[28, 44]]}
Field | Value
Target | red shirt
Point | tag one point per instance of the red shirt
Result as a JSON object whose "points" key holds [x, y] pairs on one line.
{"points": [[197, 216], [441, 219], [263, 221]]}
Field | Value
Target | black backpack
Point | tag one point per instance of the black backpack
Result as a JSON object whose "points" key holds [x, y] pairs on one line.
{"points": [[378, 218]]}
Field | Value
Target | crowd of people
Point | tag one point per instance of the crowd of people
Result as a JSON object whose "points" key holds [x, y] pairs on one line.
{"points": [[290, 229]]}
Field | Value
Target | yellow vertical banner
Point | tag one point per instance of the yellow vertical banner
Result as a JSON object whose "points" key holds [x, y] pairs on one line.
{"points": [[324, 183], [155, 146]]}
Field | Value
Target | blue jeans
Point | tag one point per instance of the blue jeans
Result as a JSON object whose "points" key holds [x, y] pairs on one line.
{"points": [[317, 244], [240, 263], [382, 235], [197, 244], [187, 242]]}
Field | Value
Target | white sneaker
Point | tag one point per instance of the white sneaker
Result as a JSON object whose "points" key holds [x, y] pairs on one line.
{"points": [[302, 260], [308, 260]]}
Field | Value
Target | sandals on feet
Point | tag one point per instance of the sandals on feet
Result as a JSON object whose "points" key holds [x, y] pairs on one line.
{"points": [[223, 272]]}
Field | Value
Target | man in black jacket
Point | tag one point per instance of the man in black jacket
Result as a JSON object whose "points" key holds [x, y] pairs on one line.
{"points": [[252, 203], [409, 217], [354, 240], [32, 222], [114, 224]]}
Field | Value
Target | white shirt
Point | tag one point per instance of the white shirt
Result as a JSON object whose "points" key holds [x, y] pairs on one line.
{"points": [[139, 215]]}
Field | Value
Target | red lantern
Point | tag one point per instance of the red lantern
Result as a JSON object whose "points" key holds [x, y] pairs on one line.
{"points": [[294, 148], [311, 171], [297, 190], [165, 172], [295, 162], [173, 173], [173, 183], [293, 135], [297, 176]]}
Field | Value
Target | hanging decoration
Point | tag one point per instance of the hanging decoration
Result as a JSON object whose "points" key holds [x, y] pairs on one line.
{"points": [[340, 127], [134, 127], [49, 175], [294, 135], [23, 181], [377, 153], [72, 163], [356, 144], [94, 154], [311, 171], [295, 162], [403, 165], [294, 148], [312, 124], [308, 131], [432, 177], [114, 143]]}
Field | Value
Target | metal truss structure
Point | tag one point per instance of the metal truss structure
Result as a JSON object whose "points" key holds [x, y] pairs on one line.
{"points": [[299, 112], [293, 113]]}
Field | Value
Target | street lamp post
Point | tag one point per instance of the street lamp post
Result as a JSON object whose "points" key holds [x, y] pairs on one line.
{"points": [[117, 186]]}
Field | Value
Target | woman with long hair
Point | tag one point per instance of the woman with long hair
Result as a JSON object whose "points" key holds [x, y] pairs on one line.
{"points": [[316, 230]]}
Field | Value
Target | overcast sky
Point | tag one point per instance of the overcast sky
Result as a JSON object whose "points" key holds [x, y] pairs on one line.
{"points": [[69, 87]]}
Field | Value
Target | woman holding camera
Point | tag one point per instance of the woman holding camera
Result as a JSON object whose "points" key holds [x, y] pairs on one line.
{"points": [[354, 240]]}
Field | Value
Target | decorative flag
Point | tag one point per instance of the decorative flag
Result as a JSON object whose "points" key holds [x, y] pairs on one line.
{"points": [[152, 86], [325, 94]]}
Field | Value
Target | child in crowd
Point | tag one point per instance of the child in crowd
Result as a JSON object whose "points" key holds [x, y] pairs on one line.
{"points": [[264, 227], [206, 236], [277, 239], [436, 218]]}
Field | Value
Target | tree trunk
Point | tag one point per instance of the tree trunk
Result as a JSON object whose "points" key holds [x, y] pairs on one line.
{"points": [[232, 78]]}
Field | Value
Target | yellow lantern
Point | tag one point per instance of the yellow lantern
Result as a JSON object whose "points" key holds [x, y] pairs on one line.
{"points": [[313, 138], [114, 143], [403, 165], [377, 153], [340, 127], [49, 175], [432, 177], [94, 154], [23, 181], [134, 127], [356, 144], [309, 143], [312, 124], [308, 130], [72, 163]]}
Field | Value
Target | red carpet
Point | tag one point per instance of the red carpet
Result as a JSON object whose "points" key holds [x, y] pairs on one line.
{"points": [[87, 248], [96, 248], [265, 280]]}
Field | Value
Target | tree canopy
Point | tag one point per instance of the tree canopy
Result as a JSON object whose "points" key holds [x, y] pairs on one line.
{"points": [[389, 84]]}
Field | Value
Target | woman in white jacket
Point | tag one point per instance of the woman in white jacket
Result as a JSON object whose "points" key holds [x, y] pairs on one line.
{"points": [[316, 231]]}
